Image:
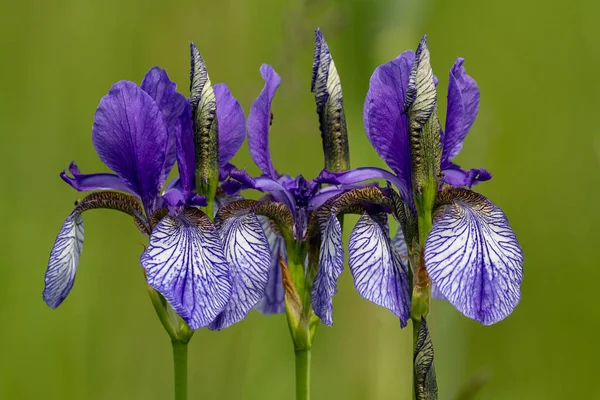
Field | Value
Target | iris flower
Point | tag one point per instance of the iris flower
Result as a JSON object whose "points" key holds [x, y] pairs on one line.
{"points": [[139, 133], [471, 254]]}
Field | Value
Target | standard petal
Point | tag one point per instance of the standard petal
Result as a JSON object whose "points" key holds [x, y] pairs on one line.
{"points": [[89, 182], [274, 299], [379, 273], [184, 136], [331, 265], [249, 257], [164, 93], [130, 136], [473, 257], [64, 259], [386, 126], [259, 121], [185, 262], [231, 122], [463, 105]]}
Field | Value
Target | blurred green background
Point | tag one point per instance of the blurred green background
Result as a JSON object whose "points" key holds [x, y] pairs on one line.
{"points": [[536, 66]]}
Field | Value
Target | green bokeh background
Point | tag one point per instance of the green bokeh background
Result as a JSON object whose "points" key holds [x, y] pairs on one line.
{"points": [[536, 65]]}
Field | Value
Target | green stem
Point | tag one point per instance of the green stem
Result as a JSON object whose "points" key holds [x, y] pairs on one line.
{"points": [[303, 374], [180, 368]]}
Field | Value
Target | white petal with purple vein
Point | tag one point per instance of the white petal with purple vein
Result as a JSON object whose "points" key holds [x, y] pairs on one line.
{"points": [[249, 257], [331, 265], [63, 261], [379, 273], [185, 262], [473, 257], [274, 299]]}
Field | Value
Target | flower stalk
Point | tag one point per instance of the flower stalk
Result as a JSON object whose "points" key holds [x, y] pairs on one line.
{"points": [[303, 374], [180, 368]]}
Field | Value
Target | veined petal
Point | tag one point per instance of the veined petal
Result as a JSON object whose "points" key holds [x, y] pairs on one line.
{"points": [[170, 103], [259, 121], [473, 257], [65, 253], [64, 259], [274, 299], [399, 244], [249, 257], [232, 123], [185, 262], [331, 265], [130, 136], [89, 182], [463, 105], [385, 124], [379, 273]]}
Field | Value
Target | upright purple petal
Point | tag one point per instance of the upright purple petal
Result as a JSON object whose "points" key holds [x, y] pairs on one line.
{"points": [[331, 265], [186, 157], [259, 121], [89, 182], [385, 124], [164, 93], [249, 257], [64, 259], [274, 299], [463, 105], [379, 273], [185, 262], [130, 136], [473, 257], [232, 123]]}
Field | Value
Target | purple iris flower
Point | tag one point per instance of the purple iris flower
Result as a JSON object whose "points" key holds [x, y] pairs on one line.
{"points": [[139, 133], [471, 254], [299, 195]]}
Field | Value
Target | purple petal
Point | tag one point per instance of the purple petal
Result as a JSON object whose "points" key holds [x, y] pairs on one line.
{"points": [[184, 136], [130, 136], [358, 175], [399, 245], [185, 262], [164, 93], [231, 122], [457, 177], [259, 122], [89, 182], [378, 271], [64, 259], [249, 257], [274, 299], [386, 126], [473, 257], [463, 105], [331, 265]]}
